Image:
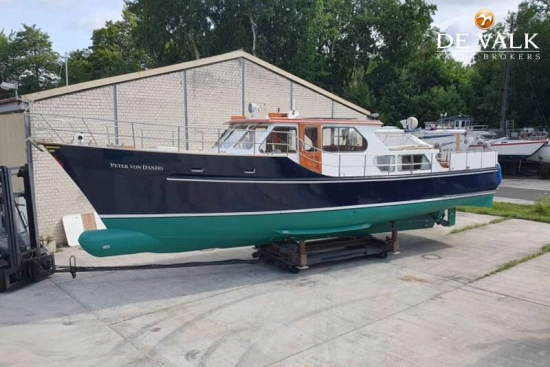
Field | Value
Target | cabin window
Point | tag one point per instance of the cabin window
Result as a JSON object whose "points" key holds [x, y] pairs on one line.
{"points": [[343, 139], [311, 139], [282, 139], [414, 162], [251, 137], [386, 163]]}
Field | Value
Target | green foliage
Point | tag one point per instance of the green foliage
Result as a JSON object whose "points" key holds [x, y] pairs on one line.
{"points": [[6, 65], [27, 59], [34, 61], [173, 30], [475, 226], [539, 212], [529, 79], [81, 68], [379, 54], [542, 206], [510, 264], [114, 51]]}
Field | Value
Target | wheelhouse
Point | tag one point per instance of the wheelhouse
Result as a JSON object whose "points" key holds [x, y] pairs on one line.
{"points": [[333, 147]]}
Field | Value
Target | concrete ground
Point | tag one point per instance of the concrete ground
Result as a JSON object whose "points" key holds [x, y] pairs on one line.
{"points": [[522, 190], [422, 307]]}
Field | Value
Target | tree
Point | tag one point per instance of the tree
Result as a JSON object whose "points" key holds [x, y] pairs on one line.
{"points": [[81, 68], [415, 79], [34, 62], [174, 31], [380, 54], [6, 64], [114, 51], [235, 25], [528, 92]]}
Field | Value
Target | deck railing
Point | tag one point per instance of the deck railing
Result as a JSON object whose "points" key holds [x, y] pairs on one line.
{"points": [[105, 132], [339, 161], [365, 165]]}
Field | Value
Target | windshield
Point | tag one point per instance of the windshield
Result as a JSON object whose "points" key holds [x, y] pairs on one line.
{"points": [[241, 137], [19, 217], [251, 137], [230, 137]]}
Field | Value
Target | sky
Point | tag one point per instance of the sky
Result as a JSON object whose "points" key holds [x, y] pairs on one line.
{"points": [[70, 22]]}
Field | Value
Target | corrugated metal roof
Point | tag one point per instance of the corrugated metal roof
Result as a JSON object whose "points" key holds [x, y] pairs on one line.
{"points": [[10, 105]]}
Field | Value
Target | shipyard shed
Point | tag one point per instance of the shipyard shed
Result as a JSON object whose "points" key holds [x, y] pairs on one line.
{"points": [[178, 107]]}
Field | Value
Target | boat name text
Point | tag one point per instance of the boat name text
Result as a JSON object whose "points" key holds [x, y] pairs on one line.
{"points": [[142, 167]]}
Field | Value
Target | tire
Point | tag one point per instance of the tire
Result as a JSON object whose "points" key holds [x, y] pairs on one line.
{"points": [[294, 270], [2, 282]]}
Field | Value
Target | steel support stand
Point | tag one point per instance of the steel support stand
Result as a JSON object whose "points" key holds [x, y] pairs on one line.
{"points": [[393, 241], [303, 255]]}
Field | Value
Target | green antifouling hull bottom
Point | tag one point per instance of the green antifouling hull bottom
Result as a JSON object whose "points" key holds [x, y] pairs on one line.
{"points": [[179, 234]]}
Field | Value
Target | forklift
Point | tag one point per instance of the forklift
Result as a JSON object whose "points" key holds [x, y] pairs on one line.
{"points": [[23, 259]]}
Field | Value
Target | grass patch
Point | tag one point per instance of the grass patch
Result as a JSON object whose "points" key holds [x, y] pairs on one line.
{"points": [[542, 206], [540, 212], [511, 264], [474, 226]]}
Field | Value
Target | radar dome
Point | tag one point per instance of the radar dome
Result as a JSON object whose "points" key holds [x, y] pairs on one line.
{"points": [[411, 123]]}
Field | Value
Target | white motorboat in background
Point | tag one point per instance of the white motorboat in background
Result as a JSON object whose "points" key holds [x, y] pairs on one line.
{"points": [[454, 133], [542, 155], [512, 149]]}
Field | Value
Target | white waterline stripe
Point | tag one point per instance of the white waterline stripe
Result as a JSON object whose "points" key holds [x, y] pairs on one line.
{"points": [[126, 216], [394, 177]]}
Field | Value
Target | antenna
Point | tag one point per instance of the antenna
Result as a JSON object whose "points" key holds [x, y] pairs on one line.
{"points": [[504, 105], [66, 69]]}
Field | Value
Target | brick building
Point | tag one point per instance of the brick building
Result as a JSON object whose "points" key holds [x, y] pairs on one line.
{"points": [[182, 106]]}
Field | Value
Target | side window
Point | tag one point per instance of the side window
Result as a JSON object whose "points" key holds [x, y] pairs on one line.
{"points": [[281, 140], [311, 141], [414, 162], [343, 139], [386, 163]]}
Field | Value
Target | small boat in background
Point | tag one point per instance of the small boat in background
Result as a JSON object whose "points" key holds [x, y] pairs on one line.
{"points": [[270, 180], [513, 149], [542, 155], [455, 133]]}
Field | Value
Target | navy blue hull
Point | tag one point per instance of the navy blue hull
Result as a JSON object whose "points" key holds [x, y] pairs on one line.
{"points": [[127, 182]]}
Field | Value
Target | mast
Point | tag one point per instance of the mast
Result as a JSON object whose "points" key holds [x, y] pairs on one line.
{"points": [[503, 106]]}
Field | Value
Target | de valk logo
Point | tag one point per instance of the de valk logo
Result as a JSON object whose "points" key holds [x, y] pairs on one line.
{"points": [[493, 45], [485, 19]]}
